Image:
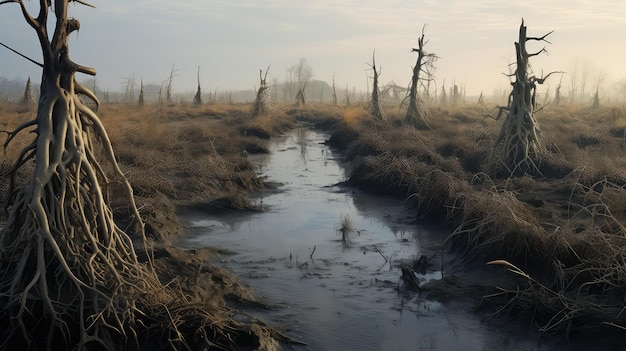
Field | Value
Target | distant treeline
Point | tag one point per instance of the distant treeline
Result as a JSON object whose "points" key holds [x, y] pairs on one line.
{"points": [[316, 91]]}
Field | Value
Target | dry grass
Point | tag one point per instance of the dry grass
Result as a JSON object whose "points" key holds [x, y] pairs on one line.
{"points": [[565, 231], [571, 221], [175, 156], [178, 155], [345, 228]]}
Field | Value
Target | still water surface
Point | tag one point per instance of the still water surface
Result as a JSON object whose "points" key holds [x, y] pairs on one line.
{"points": [[331, 294]]}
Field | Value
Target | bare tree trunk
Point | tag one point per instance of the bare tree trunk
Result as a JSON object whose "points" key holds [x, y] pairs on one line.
{"points": [[481, 100], [300, 97], [260, 102], [70, 276], [417, 114], [27, 98], [168, 87], [197, 99], [142, 99], [374, 107], [596, 100], [518, 149], [334, 92]]}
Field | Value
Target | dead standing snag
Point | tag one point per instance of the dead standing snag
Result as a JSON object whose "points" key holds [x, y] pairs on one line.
{"points": [[69, 276], [417, 113], [375, 108], [519, 148], [197, 99], [262, 95]]}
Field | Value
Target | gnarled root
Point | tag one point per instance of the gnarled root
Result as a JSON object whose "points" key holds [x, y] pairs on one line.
{"points": [[65, 264]]}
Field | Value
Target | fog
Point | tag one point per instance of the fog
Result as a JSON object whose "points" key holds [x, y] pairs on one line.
{"points": [[231, 41]]}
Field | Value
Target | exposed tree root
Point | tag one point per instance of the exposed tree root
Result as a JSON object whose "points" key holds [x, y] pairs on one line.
{"points": [[519, 149], [69, 276]]}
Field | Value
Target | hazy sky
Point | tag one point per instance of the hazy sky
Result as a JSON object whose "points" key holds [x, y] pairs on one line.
{"points": [[232, 40]]}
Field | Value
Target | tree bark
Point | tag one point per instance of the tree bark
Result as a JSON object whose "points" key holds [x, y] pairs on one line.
{"points": [[519, 148], [66, 266]]}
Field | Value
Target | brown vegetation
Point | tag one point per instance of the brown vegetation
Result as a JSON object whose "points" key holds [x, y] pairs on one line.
{"points": [[176, 156], [565, 228], [562, 235]]}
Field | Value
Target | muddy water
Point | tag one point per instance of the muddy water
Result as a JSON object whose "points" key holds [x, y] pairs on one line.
{"points": [[331, 293]]}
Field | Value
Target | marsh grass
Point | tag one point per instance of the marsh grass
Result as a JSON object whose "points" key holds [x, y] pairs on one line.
{"points": [[565, 229], [178, 155], [345, 227]]}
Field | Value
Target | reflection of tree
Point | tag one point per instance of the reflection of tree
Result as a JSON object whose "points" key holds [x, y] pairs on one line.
{"points": [[301, 136]]}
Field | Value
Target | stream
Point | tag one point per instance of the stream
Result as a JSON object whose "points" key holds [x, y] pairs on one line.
{"points": [[336, 294]]}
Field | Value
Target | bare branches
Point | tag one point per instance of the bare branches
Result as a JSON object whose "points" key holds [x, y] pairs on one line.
{"points": [[417, 113], [519, 148], [542, 38], [542, 80], [84, 3], [22, 55], [29, 19]]}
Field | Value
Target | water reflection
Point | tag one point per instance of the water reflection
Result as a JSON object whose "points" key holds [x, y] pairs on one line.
{"points": [[337, 295]]}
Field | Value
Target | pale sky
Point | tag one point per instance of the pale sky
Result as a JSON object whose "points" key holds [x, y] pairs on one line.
{"points": [[232, 40]]}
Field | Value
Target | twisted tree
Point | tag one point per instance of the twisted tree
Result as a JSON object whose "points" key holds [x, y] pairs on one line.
{"points": [[69, 276], [417, 114], [519, 148]]}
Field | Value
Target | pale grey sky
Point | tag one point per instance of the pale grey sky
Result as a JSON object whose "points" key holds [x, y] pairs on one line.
{"points": [[232, 40]]}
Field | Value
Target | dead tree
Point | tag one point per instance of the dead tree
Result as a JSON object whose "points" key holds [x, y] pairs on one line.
{"points": [[300, 96], [417, 113], [197, 99], [129, 92], [596, 100], [142, 98], [262, 95], [334, 92], [519, 148], [168, 86], [443, 100], [455, 96], [27, 99], [70, 276], [375, 108], [481, 100]]}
